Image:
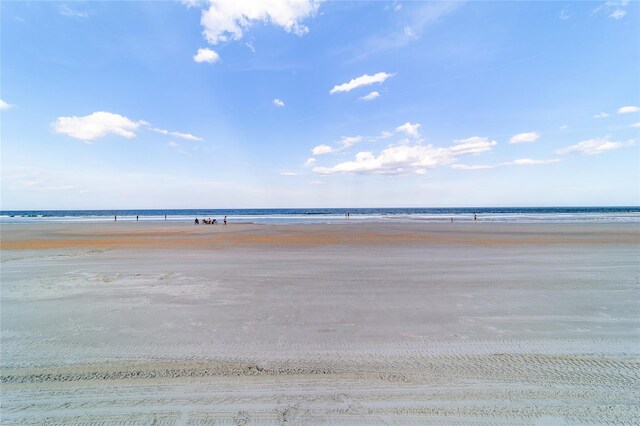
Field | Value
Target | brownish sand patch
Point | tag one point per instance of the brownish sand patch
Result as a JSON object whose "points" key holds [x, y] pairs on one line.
{"points": [[316, 235]]}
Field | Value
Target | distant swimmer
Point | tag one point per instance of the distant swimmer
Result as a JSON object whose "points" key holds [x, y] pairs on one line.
{"points": [[451, 220], [115, 217], [475, 218], [165, 217], [136, 218]]}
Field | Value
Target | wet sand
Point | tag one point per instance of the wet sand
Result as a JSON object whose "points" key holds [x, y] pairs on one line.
{"points": [[463, 323]]}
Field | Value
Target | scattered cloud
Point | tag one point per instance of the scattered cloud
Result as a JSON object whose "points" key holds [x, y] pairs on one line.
{"points": [[618, 14], [472, 145], [472, 167], [322, 149], [636, 125], [96, 125], [349, 141], [289, 174], [628, 109], [67, 11], [173, 144], [519, 162], [249, 44], [525, 137], [563, 127], [4, 105], [385, 135], [614, 9], [99, 124], [187, 136], [206, 55], [594, 146], [310, 162], [405, 158], [409, 129], [564, 14], [224, 20], [601, 115], [409, 32], [371, 96], [194, 3], [278, 102], [416, 18], [530, 162], [363, 80]]}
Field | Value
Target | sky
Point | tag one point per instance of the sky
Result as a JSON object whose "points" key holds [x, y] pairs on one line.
{"points": [[282, 103]]}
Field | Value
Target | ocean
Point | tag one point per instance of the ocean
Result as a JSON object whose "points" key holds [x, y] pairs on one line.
{"points": [[337, 215]]}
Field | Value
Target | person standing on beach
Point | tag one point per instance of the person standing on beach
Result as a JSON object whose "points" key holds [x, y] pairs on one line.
{"points": [[115, 218], [475, 218], [165, 217], [225, 221], [136, 218]]}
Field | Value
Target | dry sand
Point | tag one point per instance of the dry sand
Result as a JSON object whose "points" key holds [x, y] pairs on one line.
{"points": [[159, 323]]}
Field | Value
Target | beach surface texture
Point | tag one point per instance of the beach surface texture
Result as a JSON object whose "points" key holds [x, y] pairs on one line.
{"points": [[413, 323]]}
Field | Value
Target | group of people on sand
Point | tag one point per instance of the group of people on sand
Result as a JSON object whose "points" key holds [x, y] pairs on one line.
{"points": [[210, 221]]}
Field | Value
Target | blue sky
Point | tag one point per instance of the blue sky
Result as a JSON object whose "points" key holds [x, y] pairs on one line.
{"points": [[319, 104]]}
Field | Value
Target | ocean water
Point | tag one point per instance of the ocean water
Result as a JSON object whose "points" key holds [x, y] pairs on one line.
{"points": [[337, 215]]}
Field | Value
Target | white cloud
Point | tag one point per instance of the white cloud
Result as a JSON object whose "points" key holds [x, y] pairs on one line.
{"points": [[594, 146], [289, 174], [226, 20], [173, 144], [349, 141], [206, 55], [409, 32], [322, 149], [636, 125], [618, 14], [194, 3], [385, 135], [101, 123], [614, 9], [249, 44], [405, 158], [409, 129], [530, 162], [472, 167], [363, 80], [4, 105], [519, 162], [628, 109], [393, 160], [601, 115], [472, 145], [371, 96], [564, 14], [278, 102], [310, 162], [67, 11], [525, 137], [187, 136], [96, 125], [563, 127]]}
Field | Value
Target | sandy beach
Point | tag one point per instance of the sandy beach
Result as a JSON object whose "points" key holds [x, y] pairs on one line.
{"points": [[438, 323]]}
